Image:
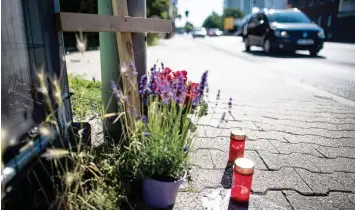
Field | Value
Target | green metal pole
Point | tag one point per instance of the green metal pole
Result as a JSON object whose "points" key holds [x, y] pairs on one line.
{"points": [[110, 71]]}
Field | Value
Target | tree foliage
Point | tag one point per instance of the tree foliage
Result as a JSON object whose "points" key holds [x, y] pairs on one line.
{"points": [[188, 27], [233, 12], [158, 8], [213, 21], [187, 13]]}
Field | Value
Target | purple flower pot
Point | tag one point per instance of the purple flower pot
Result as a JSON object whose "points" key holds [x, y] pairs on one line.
{"points": [[159, 194]]}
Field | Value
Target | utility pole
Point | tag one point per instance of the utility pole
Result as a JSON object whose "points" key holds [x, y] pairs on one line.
{"points": [[110, 70], [137, 8]]}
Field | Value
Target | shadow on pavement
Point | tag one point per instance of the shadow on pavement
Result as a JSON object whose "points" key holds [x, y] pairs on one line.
{"points": [[226, 181], [237, 206], [285, 55]]}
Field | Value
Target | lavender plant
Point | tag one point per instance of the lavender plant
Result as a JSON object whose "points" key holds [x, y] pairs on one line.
{"points": [[162, 138]]}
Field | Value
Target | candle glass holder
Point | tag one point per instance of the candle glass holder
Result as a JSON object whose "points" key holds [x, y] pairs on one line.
{"points": [[243, 171], [236, 145]]}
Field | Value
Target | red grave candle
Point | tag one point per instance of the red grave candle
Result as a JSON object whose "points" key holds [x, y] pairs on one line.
{"points": [[236, 145], [243, 171]]}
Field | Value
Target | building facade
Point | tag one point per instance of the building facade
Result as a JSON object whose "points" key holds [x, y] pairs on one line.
{"points": [[244, 5], [247, 5], [336, 17]]}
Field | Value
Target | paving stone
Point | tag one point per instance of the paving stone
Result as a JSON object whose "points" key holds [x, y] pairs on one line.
{"points": [[241, 124], [311, 131], [272, 200], [335, 201], [211, 119], [329, 165], [203, 178], [220, 143], [188, 201], [278, 161], [352, 175], [332, 152], [213, 132], [220, 159], [306, 125], [286, 178], [260, 145], [320, 140], [202, 158], [351, 197], [308, 119], [322, 183], [254, 156], [288, 148], [254, 135]]}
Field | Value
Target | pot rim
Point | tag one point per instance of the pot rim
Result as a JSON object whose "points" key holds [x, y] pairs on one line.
{"points": [[179, 180]]}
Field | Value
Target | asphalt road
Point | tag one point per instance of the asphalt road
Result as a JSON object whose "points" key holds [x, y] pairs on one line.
{"points": [[332, 71]]}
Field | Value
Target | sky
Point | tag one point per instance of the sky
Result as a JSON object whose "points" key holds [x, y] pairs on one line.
{"points": [[199, 10]]}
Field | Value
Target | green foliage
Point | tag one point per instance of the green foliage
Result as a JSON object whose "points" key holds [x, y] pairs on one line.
{"points": [[152, 39], [188, 27], [87, 97], [158, 8], [187, 13], [233, 12], [213, 21]]}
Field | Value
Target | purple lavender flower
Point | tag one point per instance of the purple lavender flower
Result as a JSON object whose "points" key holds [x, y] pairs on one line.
{"points": [[218, 95], [152, 81], [180, 90], [115, 90], [195, 101], [203, 83], [136, 114], [145, 119], [230, 104], [142, 85], [186, 149], [146, 134]]}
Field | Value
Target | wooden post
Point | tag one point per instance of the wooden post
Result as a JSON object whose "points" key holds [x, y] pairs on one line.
{"points": [[123, 25], [129, 79]]}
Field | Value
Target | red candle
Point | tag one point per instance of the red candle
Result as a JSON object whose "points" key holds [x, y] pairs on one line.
{"points": [[236, 145], [243, 170]]}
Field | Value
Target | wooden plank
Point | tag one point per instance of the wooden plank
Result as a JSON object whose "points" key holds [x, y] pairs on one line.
{"points": [[126, 55], [73, 22]]}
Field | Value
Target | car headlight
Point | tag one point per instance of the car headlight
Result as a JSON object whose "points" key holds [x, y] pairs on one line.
{"points": [[321, 34], [279, 33]]}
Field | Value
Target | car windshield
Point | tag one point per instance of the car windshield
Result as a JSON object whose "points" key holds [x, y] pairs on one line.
{"points": [[246, 18], [288, 17]]}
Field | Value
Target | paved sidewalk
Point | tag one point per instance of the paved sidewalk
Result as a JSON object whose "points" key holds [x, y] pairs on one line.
{"points": [[303, 145]]}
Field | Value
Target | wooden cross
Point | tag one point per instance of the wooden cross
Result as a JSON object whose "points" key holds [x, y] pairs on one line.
{"points": [[123, 25]]}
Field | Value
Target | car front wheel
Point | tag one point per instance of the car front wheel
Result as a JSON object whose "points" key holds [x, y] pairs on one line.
{"points": [[313, 52], [267, 46], [246, 43]]}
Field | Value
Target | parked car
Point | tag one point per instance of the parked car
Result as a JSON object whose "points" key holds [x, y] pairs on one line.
{"points": [[214, 32], [287, 29], [199, 32]]}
